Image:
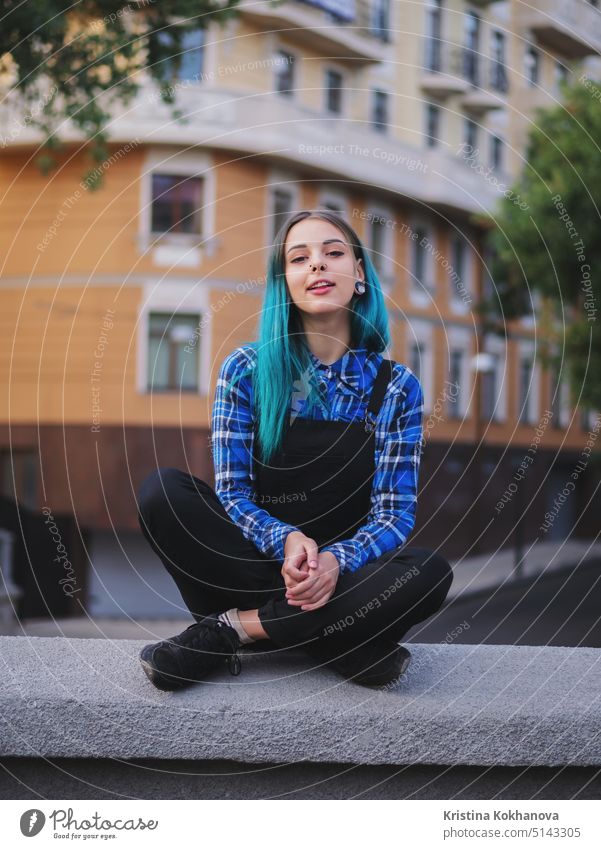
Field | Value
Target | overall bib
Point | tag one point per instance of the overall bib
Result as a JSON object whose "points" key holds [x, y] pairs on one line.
{"points": [[321, 479]]}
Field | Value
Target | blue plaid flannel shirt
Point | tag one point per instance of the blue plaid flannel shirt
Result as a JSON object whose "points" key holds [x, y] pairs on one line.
{"points": [[399, 445]]}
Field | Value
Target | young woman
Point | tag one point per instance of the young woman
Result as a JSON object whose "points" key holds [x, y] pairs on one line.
{"points": [[316, 445]]}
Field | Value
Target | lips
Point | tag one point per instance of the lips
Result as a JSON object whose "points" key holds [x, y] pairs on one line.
{"points": [[318, 282]]}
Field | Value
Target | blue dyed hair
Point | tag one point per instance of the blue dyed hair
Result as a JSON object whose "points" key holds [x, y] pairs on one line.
{"points": [[283, 355]]}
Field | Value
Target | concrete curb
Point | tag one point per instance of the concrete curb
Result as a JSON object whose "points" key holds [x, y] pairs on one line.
{"points": [[457, 705]]}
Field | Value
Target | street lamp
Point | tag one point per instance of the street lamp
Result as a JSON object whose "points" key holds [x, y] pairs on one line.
{"points": [[481, 363], [484, 363]]}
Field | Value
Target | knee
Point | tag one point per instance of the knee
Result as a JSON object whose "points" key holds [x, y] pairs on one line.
{"points": [[435, 572], [439, 572], [158, 491]]}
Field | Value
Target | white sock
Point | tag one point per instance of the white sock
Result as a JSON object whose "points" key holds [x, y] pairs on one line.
{"points": [[231, 618]]}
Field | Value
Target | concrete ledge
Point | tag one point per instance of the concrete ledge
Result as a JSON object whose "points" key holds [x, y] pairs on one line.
{"points": [[458, 705]]}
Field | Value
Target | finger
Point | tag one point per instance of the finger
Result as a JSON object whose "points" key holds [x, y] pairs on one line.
{"points": [[294, 573], [304, 585], [308, 597], [318, 603], [312, 554]]}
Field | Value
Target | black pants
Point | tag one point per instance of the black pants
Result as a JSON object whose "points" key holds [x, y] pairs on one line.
{"points": [[216, 568]]}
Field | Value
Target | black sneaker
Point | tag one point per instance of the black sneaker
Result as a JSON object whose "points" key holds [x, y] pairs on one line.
{"points": [[186, 658], [377, 663]]}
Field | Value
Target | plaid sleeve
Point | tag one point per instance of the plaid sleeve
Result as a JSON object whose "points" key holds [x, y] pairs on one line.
{"points": [[232, 446], [399, 445]]}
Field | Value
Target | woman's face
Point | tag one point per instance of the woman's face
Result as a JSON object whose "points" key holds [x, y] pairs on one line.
{"points": [[317, 250]]}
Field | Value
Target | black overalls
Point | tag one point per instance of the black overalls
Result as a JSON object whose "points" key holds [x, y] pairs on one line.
{"points": [[320, 482], [321, 479]]}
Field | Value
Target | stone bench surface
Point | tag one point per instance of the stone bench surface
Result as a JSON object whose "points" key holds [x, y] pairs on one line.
{"points": [[470, 705]]}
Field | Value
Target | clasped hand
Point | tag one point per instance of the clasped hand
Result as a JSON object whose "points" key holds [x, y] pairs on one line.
{"points": [[310, 576]]}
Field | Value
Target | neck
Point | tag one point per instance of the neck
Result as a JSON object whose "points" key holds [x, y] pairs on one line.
{"points": [[327, 337]]}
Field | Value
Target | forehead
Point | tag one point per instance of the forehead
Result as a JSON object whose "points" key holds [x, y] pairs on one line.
{"points": [[313, 231]]}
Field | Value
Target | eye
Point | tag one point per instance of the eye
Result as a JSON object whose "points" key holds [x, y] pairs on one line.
{"points": [[331, 253]]}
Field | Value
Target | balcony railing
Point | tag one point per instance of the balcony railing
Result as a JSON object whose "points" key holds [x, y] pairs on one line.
{"points": [[461, 63], [442, 57], [357, 30], [573, 27], [367, 17]]}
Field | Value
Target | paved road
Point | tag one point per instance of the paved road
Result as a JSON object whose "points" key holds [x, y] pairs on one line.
{"points": [[562, 609]]}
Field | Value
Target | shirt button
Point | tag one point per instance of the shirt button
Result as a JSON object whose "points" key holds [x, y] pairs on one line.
{"points": [[330, 373]]}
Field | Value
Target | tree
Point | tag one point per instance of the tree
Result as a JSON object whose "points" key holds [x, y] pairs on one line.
{"points": [[60, 59], [546, 239]]}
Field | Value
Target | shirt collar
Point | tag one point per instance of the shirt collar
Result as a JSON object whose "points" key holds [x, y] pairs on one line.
{"points": [[350, 368]]}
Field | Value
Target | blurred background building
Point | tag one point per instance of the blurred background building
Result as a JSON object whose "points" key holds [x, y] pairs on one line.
{"points": [[119, 305]]}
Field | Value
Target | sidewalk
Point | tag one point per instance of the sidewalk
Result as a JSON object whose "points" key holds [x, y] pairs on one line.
{"points": [[490, 571], [478, 574]]}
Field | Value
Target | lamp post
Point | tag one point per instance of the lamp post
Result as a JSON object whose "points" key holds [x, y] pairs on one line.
{"points": [[481, 363]]}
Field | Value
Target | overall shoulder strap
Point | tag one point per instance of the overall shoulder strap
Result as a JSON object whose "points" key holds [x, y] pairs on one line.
{"points": [[383, 378]]}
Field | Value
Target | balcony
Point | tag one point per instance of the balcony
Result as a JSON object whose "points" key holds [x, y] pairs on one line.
{"points": [[571, 27], [479, 100], [442, 74], [356, 37], [488, 80], [275, 130], [450, 69]]}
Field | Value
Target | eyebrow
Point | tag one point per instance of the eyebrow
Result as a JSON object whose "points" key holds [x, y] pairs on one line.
{"points": [[326, 242]]}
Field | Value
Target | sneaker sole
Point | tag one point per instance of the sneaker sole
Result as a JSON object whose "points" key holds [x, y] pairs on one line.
{"points": [[160, 680], [375, 681]]}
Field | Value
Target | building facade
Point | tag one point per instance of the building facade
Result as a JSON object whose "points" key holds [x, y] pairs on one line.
{"points": [[120, 304]]}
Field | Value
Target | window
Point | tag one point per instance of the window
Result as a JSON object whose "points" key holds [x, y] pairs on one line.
{"points": [[282, 208], [176, 204], [334, 91], [380, 19], [470, 134], [173, 351], [532, 66], [453, 398], [284, 73], [420, 266], [420, 350], [458, 267], [496, 152], [489, 389], [586, 418], [433, 42], [498, 72], [379, 116], [489, 288], [377, 244], [562, 74], [559, 394], [525, 382], [432, 124], [472, 48], [186, 62], [415, 359], [19, 470]]}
